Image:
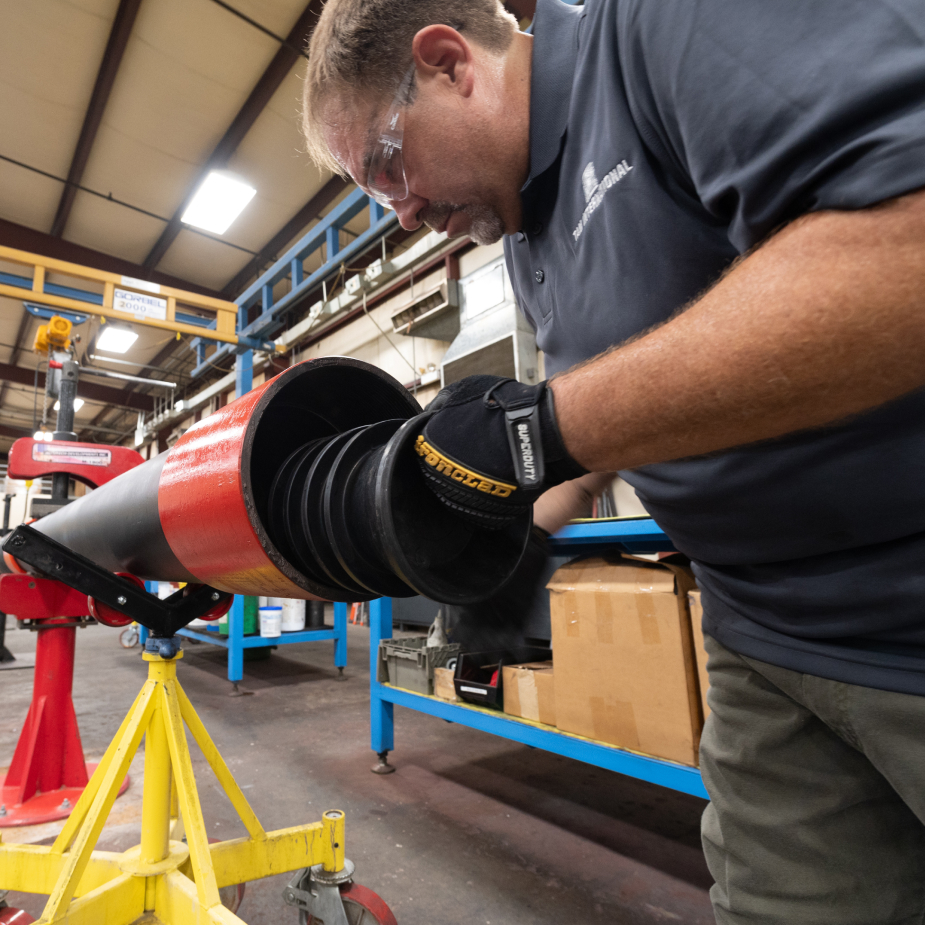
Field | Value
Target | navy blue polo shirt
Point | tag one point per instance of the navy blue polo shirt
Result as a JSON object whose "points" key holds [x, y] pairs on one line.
{"points": [[667, 138]]}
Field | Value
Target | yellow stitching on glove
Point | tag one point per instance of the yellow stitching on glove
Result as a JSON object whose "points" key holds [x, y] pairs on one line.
{"points": [[457, 473]]}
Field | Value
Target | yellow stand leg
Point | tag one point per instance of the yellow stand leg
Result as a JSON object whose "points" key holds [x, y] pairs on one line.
{"points": [[161, 879]]}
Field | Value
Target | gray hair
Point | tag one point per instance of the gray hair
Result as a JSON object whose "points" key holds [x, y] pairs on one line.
{"points": [[363, 47]]}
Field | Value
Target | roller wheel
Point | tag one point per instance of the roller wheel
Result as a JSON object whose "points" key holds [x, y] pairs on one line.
{"points": [[363, 907], [107, 615], [231, 896], [10, 915], [128, 638]]}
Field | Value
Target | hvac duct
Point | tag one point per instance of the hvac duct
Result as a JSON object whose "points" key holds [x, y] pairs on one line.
{"points": [[494, 336]]}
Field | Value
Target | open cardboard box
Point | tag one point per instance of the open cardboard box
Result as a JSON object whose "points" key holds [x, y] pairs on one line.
{"points": [[625, 668]]}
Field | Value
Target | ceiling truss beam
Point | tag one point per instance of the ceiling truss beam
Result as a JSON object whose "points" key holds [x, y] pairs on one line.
{"points": [[271, 80], [115, 48], [37, 242]]}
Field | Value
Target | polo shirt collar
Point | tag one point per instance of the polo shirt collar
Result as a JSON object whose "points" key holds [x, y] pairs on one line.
{"points": [[555, 56]]}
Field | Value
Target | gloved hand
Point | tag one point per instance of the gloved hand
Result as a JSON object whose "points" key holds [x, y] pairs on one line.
{"points": [[493, 447], [501, 621]]}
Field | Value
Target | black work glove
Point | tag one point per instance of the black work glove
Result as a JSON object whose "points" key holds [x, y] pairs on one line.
{"points": [[501, 621], [493, 447]]}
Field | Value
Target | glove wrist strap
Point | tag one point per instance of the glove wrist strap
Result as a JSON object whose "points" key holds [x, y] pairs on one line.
{"points": [[525, 438]]}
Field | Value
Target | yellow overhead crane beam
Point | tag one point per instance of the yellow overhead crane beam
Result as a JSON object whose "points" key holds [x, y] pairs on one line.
{"points": [[150, 304]]}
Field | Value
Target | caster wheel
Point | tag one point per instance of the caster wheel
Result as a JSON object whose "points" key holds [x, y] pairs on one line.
{"points": [[363, 907], [10, 915], [231, 896], [128, 638]]}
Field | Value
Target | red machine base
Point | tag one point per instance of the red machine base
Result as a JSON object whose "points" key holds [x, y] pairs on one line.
{"points": [[46, 807]]}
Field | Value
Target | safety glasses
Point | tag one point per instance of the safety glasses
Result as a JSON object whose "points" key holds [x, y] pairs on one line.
{"points": [[386, 181]]}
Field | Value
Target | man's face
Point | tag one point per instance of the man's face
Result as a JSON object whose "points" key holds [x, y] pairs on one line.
{"points": [[451, 175]]}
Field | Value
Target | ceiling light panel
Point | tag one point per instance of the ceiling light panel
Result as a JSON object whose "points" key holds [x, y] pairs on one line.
{"points": [[218, 202], [115, 340]]}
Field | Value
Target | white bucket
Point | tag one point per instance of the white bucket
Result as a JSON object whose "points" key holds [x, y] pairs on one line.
{"points": [[274, 602], [293, 615], [271, 621]]}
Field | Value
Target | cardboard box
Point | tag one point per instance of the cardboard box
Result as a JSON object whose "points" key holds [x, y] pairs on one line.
{"points": [[443, 685], [529, 692], [693, 598], [625, 667]]}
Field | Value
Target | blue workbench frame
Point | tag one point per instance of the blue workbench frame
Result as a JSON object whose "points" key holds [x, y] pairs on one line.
{"points": [[236, 642], [628, 535]]}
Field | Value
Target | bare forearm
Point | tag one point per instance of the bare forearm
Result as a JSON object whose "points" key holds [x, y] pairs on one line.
{"points": [[824, 321]]}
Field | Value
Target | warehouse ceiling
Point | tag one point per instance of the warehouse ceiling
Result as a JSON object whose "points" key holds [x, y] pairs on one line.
{"points": [[138, 100], [113, 112]]}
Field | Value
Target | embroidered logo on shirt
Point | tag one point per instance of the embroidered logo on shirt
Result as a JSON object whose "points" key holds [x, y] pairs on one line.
{"points": [[589, 181], [594, 191]]}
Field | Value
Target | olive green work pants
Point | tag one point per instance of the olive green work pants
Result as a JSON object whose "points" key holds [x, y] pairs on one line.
{"points": [[817, 812]]}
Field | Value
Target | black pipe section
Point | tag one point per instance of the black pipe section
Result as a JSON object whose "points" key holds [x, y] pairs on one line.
{"points": [[118, 526]]}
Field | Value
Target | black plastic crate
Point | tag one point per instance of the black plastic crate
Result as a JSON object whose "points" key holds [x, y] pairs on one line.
{"points": [[478, 674]]}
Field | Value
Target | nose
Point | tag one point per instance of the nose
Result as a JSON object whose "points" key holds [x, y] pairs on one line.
{"points": [[409, 211]]}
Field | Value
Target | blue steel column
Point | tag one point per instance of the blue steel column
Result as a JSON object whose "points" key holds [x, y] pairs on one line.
{"points": [[381, 713], [243, 383], [236, 640], [340, 641]]}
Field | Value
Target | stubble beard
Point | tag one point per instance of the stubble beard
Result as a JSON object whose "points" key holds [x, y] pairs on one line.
{"points": [[485, 224]]}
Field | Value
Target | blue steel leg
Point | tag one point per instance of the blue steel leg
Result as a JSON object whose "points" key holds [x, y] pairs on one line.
{"points": [[236, 640], [151, 588], [244, 373], [340, 641], [381, 718]]}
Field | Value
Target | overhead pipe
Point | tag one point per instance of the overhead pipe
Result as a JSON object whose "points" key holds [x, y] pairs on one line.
{"points": [[306, 487]]}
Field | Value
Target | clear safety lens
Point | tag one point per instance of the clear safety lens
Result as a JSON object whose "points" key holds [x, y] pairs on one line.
{"points": [[386, 180]]}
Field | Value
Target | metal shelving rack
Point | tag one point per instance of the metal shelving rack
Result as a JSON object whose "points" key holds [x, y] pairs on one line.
{"points": [[636, 535], [236, 642]]}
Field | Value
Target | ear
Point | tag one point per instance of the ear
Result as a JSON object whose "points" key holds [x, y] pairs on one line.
{"points": [[443, 55]]}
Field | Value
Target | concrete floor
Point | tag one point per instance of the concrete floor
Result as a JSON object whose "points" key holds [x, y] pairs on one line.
{"points": [[471, 829]]}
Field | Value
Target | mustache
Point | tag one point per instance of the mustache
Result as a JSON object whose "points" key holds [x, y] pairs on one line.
{"points": [[437, 213]]}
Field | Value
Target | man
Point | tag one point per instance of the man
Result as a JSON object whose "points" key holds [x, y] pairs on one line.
{"points": [[714, 220]]}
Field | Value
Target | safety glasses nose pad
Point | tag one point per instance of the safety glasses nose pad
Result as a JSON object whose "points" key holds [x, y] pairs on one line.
{"points": [[387, 180]]}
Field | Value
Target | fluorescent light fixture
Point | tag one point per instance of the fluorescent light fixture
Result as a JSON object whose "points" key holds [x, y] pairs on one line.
{"points": [[115, 339], [78, 404], [218, 202]]}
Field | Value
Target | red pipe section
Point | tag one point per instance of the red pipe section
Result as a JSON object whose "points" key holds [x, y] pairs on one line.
{"points": [[201, 501]]}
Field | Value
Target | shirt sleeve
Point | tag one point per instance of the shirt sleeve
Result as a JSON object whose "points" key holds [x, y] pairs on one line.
{"points": [[768, 109]]}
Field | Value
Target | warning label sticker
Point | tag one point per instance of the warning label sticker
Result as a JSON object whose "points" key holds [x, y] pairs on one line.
{"points": [[75, 455]]}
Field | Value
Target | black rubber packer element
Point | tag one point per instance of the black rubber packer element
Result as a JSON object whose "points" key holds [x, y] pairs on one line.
{"points": [[349, 511]]}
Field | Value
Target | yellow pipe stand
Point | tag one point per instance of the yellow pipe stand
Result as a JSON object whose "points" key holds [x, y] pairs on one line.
{"points": [[162, 879]]}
